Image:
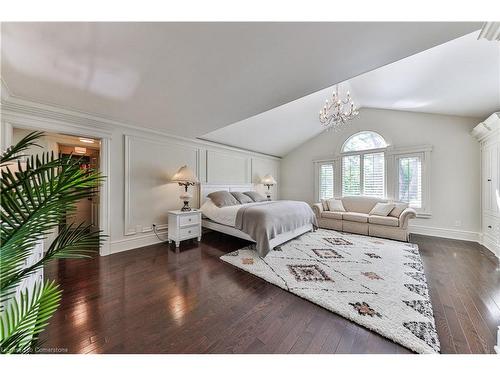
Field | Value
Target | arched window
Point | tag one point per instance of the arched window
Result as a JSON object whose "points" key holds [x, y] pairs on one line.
{"points": [[363, 165], [365, 140]]}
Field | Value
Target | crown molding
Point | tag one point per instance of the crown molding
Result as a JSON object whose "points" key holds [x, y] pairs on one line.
{"points": [[13, 107], [487, 127]]}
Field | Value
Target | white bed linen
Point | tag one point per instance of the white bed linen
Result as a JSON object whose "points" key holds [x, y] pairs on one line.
{"points": [[222, 215]]}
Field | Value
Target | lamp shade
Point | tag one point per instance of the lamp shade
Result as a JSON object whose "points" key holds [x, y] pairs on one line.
{"points": [[268, 180], [184, 174]]}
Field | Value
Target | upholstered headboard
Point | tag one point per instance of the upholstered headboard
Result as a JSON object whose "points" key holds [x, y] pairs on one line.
{"points": [[206, 189]]}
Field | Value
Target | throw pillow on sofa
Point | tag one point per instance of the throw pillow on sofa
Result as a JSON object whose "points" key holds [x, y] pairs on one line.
{"points": [[324, 203], [399, 207], [335, 205], [382, 209]]}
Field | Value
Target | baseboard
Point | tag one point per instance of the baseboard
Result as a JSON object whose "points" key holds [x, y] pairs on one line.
{"points": [[490, 245], [150, 239], [136, 241], [455, 234]]}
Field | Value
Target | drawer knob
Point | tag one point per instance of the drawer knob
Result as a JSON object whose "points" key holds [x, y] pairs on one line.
{"points": [[489, 179], [189, 219], [189, 231], [489, 226]]}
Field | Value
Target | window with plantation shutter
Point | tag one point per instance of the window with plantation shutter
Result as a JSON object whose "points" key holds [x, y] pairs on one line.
{"points": [[368, 166], [374, 174], [351, 176], [326, 181], [410, 180], [363, 165]]}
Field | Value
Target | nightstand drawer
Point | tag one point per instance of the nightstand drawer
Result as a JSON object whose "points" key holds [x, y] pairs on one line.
{"points": [[189, 232], [186, 220]]}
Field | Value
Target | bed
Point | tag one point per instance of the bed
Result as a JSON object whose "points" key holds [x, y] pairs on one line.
{"points": [[267, 224]]}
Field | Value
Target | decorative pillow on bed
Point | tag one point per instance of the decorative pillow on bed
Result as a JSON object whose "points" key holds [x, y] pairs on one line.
{"points": [[256, 197], [335, 205], [223, 198], [242, 198], [382, 209]]}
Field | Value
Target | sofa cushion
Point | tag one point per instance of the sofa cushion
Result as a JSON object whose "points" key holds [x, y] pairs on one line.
{"points": [[331, 215], [382, 209], [383, 220], [355, 216], [360, 204], [399, 207], [335, 205]]}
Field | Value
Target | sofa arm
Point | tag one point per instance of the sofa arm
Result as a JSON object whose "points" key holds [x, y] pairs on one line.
{"points": [[318, 209], [407, 214]]}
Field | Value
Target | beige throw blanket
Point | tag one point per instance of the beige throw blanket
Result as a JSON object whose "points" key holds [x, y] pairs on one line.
{"points": [[266, 220]]}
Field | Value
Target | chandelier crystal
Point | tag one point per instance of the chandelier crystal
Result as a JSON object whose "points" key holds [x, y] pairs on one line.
{"points": [[338, 111]]}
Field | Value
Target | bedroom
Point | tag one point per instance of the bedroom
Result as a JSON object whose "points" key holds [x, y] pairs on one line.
{"points": [[254, 200]]}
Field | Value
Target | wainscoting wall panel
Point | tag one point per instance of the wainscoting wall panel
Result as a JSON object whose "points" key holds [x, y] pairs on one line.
{"points": [[231, 168], [149, 194], [261, 167], [150, 164]]}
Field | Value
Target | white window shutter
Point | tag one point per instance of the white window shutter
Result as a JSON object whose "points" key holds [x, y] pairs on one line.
{"points": [[326, 181], [410, 180], [374, 175], [351, 175]]}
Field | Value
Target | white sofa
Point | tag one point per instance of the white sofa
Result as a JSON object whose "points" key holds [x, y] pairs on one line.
{"points": [[357, 219]]}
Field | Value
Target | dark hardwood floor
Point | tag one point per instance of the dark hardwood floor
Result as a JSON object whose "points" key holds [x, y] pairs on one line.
{"points": [[152, 300]]}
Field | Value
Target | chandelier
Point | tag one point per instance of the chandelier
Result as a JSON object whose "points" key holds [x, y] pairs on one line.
{"points": [[338, 111]]}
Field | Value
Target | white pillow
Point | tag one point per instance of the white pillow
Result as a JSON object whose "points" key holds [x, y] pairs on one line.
{"points": [[382, 209], [399, 207], [324, 203], [335, 205]]}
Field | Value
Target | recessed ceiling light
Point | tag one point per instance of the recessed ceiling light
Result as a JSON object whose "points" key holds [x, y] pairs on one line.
{"points": [[86, 140], [80, 150]]}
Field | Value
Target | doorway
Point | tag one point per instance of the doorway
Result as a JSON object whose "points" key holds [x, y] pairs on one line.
{"points": [[87, 209], [87, 151]]}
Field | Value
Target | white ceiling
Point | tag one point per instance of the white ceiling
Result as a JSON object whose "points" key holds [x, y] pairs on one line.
{"points": [[190, 79], [461, 77]]}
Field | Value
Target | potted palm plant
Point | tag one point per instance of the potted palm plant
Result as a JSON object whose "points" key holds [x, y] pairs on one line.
{"points": [[36, 195]]}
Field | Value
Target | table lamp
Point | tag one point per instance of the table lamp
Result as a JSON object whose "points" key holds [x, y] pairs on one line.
{"points": [[185, 177]]}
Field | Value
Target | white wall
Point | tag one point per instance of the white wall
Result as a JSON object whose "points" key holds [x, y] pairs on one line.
{"points": [[454, 158], [141, 163]]}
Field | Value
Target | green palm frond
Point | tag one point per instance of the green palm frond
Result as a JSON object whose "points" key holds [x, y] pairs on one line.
{"points": [[14, 152], [72, 241], [26, 317], [35, 198]]}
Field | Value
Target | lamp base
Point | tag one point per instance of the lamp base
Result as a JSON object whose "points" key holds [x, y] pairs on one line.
{"points": [[186, 206]]}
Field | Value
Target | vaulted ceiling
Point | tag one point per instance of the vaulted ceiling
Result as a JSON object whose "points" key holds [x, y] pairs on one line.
{"points": [[190, 79], [461, 77]]}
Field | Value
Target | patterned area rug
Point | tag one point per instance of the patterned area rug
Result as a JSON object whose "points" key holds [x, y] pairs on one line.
{"points": [[377, 283]]}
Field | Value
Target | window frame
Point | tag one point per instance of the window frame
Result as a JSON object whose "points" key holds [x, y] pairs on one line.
{"points": [[358, 151], [423, 153], [361, 166], [398, 158], [391, 160]]}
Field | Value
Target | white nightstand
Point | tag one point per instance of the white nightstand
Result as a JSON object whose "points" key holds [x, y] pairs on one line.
{"points": [[184, 225]]}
